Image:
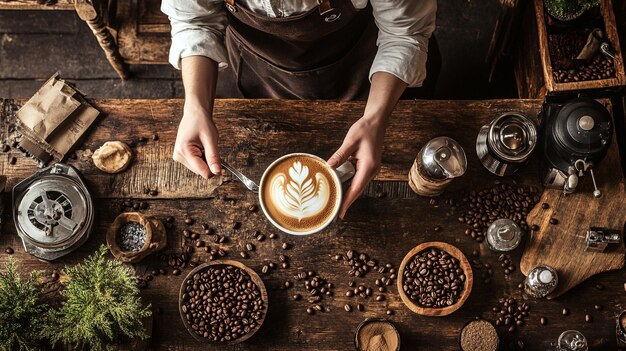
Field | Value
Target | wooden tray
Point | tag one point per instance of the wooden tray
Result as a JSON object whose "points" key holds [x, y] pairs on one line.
{"points": [[562, 246]]}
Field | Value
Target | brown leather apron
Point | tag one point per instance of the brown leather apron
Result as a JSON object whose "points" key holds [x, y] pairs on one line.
{"points": [[324, 53]]}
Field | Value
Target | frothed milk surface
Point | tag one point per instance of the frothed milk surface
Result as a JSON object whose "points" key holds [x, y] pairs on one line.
{"points": [[300, 193]]}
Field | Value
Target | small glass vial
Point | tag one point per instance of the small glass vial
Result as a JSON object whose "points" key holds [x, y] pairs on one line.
{"points": [[572, 340], [503, 235], [541, 281]]}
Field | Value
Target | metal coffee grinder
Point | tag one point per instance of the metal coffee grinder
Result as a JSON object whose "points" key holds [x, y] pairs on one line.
{"points": [[576, 137]]}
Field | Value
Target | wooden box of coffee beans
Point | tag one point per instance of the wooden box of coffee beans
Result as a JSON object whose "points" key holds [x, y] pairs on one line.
{"points": [[554, 46], [222, 302]]}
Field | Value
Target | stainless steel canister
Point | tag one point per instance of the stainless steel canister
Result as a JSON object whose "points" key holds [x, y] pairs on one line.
{"points": [[506, 143]]}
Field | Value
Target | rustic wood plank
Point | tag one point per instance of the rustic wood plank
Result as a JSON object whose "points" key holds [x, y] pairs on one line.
{"points": [[385, 229], [576, 213], [255, 132], [141, 43], [35, 5], [38, 22]]}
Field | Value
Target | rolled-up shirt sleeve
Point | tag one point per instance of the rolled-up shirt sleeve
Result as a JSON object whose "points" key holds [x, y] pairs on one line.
{"points": [[404, 28], [198, 28]]}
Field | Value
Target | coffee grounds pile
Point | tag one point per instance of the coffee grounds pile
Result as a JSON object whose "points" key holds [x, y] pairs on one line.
{"points": [[499, 201], [434, 279], [222, 303], [479, 335], [131, 236]]}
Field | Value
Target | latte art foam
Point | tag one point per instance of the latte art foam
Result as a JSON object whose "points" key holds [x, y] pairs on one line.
{"points": [[300, 193]]}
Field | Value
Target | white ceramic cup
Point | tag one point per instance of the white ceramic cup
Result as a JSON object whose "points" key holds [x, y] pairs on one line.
{"points": [[340, 175]]}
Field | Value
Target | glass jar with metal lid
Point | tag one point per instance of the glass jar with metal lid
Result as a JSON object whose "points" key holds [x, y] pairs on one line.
{"points": [[506, 143]]}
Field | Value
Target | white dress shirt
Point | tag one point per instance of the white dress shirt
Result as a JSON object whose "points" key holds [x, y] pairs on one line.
{"points": [[404, 27]]}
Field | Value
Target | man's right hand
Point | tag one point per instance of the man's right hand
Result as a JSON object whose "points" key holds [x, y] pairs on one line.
{"points": [[196, 141]]}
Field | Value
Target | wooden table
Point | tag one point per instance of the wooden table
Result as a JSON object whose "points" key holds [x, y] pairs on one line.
{"points": [[385, 224]]}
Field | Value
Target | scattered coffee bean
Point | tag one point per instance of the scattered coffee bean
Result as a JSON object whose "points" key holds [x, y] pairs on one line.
{"points": [[287, 284], [252, 208], [176, 271], [13, 160], [543, 321], [437, 229], [265, 269], [162, 271], [273, 236], [154, 193], [598, 307], [499, 201], [5, 148], [360, 307], [534, 228], [260, 237], [347, 307], [200, 243], [588, 318], [188, 221], [565, 311], [250, 247], [389, 312], [310, 311], [297, 297], [143, 205], [434, 279], [55, 276], [243, 254], [545, 206], [554, 221], [285, 246], [284, 265], [380, 298], [169, 219]]}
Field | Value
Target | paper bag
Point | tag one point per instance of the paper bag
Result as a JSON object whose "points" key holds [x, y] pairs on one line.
{"points": [[53, 120]]}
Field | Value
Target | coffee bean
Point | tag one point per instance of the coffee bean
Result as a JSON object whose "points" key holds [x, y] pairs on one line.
{"points": [[543, 321], [252, 208], [588, 318], [5, 148], [554, 221], [9, 250], [188, 221], [162, 271], [176, 271], [347, 307], [136, 206], [13, 160], [310, 311], [534, 228], [55, 276], [200, 243], [349, 293], [360, 307], [260, 237], [236, 225], [284, 265], [380, 298], [565, 311], [389, 312], [285, 246], [545, 206], [287, 284], [154, 193], [297, 297], [264, 269], [243, 254], [169, 219], [273, 236], [437, 229], [598, 307], [250, 247]]}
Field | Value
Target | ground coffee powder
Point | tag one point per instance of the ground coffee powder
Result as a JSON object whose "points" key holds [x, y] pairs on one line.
{"points": [[479, 335], [377, 335]]}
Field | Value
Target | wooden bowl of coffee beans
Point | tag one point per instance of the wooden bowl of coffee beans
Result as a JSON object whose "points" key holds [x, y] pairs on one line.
{"points": [[222, 302], [434, 279]]}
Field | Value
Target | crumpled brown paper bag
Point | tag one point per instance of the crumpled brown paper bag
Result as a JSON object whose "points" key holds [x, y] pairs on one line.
{"points": [[53, 120]]}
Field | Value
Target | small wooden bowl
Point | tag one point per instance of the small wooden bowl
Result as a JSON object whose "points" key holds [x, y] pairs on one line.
{"points": [[467, 287], [156, 237], [357, 345], [255, 279]]}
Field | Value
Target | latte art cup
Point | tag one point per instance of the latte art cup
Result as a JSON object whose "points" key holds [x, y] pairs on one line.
{"points": [[338, 176]]}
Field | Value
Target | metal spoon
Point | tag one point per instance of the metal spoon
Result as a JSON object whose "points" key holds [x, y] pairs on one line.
{"points": [[245, 180], [605, 48]]}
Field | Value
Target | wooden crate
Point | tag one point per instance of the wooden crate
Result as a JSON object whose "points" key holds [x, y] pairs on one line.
{"points": [[533, 69]]}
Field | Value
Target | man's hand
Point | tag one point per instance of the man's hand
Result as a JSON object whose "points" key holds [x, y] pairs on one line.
{"points": [[365, 142], [196, 143]]}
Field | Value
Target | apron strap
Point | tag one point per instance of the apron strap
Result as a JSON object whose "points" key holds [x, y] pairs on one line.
{"points": [[325, 8]]}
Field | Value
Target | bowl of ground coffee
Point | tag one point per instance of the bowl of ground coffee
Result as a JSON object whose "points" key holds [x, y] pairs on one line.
{"points": [[479, 335], [434, 279], [222, 302], [376, 334]]}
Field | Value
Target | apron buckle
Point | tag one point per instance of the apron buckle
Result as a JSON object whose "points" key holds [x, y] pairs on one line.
{"points": [[231, 7], [330, 14]]}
